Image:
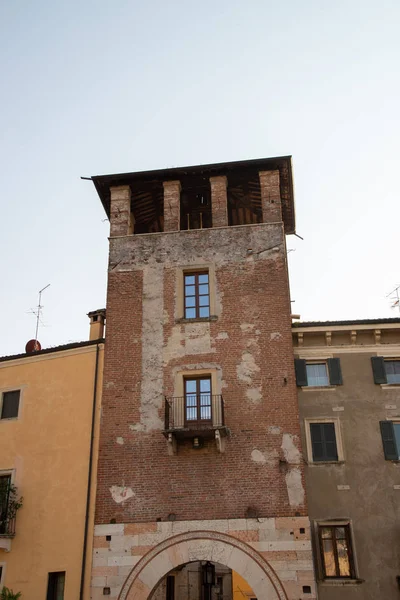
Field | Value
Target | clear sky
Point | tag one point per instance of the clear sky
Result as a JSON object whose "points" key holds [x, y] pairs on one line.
{"points": [[95, 87]]}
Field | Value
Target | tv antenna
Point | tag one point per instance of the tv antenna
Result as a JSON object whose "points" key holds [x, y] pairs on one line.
{"points": [[395, 297], [37, 314]]}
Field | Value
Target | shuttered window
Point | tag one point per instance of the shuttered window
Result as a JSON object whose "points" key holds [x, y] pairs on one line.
{"points": [[318, 373], [385, 370], [10, 404], [323, 442], [390, 433]]}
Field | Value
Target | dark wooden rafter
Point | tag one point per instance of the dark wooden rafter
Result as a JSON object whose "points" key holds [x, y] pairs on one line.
{"points": [[244, 200], [147, 207]]}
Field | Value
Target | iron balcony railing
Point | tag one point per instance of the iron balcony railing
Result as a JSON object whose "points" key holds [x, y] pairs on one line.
{"points": [[194, 412], [7, 526]]}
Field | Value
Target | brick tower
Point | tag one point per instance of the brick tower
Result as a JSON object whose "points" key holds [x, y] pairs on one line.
{"points": [[200, 454]]}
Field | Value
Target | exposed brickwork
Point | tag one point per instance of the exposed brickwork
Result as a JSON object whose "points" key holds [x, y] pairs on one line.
{"points": [[172, 191], [219, 203], [270, 196], [250, 342]]}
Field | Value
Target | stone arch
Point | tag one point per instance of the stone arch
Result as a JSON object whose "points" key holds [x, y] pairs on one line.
{"points": [[202, 545]]}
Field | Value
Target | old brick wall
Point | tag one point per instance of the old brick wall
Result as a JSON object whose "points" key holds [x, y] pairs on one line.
{"points": [[249, 343]]}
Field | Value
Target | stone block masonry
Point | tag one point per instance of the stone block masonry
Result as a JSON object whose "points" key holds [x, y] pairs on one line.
{"points": [[273, 555]]}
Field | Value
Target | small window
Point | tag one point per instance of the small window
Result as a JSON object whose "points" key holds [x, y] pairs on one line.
{"points": [[198, 406], [336, 552], [55, 586], [323, 442], [10, 404], [386, 371], [197, 295], [323, 373], [390, 432]]}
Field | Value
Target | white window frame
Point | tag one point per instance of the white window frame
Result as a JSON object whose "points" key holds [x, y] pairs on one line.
{"points": [[323, 361], [338, 436], [180, 291]]}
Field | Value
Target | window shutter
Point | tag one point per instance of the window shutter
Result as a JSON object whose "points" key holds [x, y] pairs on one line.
{"points": [[378, 369], [335, 372], [301, 372], [389, 441]]}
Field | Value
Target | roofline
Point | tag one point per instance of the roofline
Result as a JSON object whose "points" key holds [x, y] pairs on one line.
{"points": [[169, 174], [52, 350], [193, 168], [305, 324]]}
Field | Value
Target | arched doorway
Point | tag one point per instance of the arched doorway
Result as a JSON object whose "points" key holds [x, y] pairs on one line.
{"points": [[202, 546]]}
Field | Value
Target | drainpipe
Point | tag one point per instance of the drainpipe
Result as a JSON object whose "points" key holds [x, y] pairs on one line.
{"points": [[89, 484]]}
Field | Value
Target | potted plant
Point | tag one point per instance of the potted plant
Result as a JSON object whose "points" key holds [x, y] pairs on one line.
{"points": [[7, 594]]}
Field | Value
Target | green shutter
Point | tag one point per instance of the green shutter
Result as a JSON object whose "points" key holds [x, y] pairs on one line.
{"points": [[389, 441], [335, 372], [378, 369], [301, 372]]}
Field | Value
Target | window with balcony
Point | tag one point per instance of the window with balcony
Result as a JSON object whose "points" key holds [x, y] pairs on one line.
{"points": [[196, 295], [5, 487], [198, 407]]}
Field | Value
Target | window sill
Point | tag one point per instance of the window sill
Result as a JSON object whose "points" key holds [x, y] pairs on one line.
{"points": [[390, 386], [326, 462], [339, 582], [318, 388], [197, 319]]}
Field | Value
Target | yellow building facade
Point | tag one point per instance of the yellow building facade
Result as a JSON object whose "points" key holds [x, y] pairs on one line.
{"points": [[49, 421]]}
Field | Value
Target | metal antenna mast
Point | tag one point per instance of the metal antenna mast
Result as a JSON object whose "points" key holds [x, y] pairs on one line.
{"points": [[39, 308], [396, 298]]}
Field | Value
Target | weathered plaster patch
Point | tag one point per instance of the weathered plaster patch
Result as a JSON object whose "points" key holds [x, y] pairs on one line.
{"points": [[121, 493], [274, 429], [290, 451], [247, 367], [264, 458], [152, 343], [166, 317], [295, 487], [223, 335], [197, 338], [247, 327], [120, 441], [275, 336], [254, 394]]}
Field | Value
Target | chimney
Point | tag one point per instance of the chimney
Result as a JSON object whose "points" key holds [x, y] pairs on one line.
{"points": [[97, 322]]}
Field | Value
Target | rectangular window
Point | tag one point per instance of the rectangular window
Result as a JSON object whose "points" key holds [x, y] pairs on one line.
{"points": [[10, 404], [55, 586], [5, 483], [198, 400], [319, 373], [336, 553], [392, 368], [386, 370], [196, 295], [390, 432], [323, 442]]}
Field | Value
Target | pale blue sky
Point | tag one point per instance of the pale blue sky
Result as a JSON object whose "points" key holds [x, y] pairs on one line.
{"points": [[95, 87]]}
